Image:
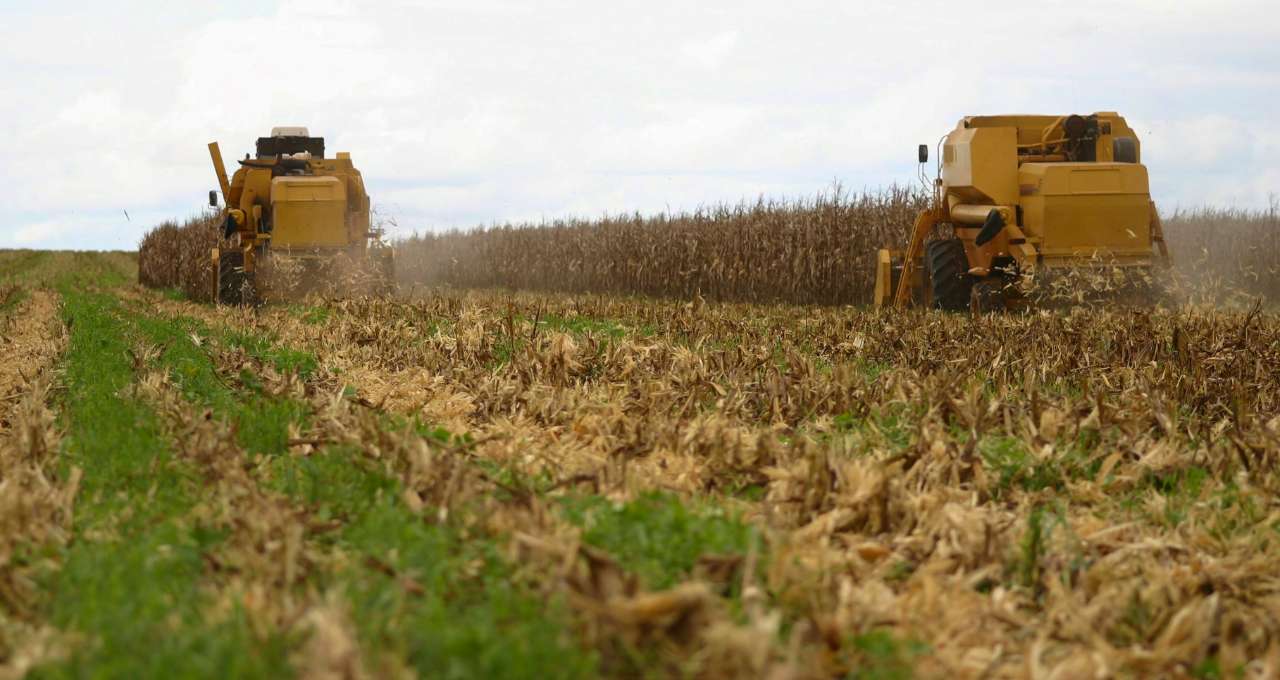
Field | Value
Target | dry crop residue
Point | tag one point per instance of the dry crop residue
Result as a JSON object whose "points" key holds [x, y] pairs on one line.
{"points": [[270, 551], [29, 342], [36, 501], [1086, 493]]}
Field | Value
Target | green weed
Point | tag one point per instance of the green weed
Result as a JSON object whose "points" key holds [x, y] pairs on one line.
{"points": [[262, 422], [468, 613], [582, 325], [1015, 466], [130, 580], [878, 655], [657, 536]]}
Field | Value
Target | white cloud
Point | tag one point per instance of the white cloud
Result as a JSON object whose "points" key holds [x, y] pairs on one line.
{"points": [[1205, 141], [479, 111], [711, 53], [48, 230], [68, 231]]}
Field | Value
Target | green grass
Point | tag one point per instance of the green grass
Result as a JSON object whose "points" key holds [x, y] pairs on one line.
{"points": [[261, 421], [142, 599], [878, 655], [506, 345], [311, 315], [1033, 547], [473, 620], [582, 325], [18, 264], [1068, 559], [131, 578], [1235, 511], [79, 270], [1015, 466], [1211, 669], [10, 297], [265, 349], [137, 589], [1134, 624], [113, 437], [657, 536], [900, 571], [892, 427], [1181, 489], [474, 617], [283, 359]]}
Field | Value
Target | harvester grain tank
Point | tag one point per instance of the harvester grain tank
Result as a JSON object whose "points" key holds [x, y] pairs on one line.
{"points": [[292, 208], [1020, 195]]}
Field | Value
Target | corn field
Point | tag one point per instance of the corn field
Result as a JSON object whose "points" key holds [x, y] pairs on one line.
{"points": [[818, 250], [178, 256], [1220, 248]]}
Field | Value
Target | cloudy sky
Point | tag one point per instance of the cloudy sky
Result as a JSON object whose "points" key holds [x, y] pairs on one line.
{"points": [[466, 112]]}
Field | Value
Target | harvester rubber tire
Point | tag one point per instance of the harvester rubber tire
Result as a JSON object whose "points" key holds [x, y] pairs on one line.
{"points": [[234, 284], [987, 297], [949, 278]]}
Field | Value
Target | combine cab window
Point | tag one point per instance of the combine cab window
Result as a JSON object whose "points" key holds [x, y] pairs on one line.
{"points": [[279, 146]]}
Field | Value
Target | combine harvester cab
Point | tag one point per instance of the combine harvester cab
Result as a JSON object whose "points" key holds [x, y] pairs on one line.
{"points": [[1017, 197], [295, 222]]}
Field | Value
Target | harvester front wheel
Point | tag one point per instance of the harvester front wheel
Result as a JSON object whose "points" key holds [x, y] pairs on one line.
{"points": [[949, 278], [235, 286]]}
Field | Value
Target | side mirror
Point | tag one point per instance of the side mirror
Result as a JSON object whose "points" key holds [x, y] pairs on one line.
{"points": [[213, 199], [923, 153]]}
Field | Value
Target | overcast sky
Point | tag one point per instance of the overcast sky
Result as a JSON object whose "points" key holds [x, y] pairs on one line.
{"points": [[466, 112]]}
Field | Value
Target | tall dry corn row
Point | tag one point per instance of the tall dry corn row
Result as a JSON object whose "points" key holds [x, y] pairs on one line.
{"points": [[808, 250], [818, 250], [178, 256], [1229, 248]]}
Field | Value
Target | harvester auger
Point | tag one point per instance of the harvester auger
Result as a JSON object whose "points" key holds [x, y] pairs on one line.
{"points": [[1022, 196], [291, 217]]}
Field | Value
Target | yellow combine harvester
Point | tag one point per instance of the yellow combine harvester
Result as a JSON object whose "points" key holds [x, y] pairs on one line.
{"points": [[291, 215], [1017, 195]]}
